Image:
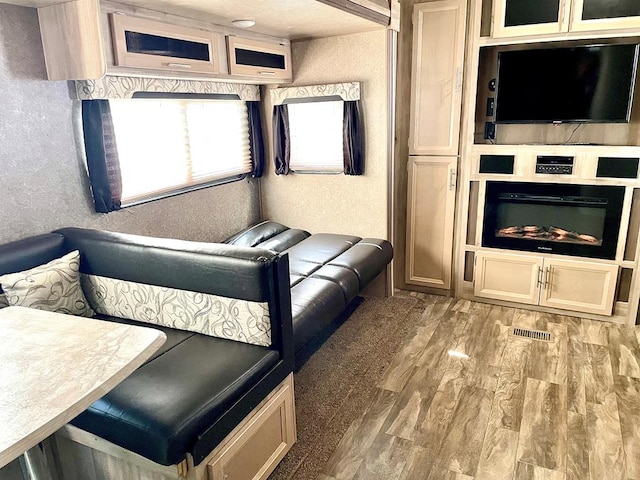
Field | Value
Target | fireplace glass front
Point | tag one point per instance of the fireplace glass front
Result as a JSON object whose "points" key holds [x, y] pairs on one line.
{"points": [[580, 220]]}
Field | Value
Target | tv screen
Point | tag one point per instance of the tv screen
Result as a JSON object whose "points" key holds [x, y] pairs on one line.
{"points": [[581, 84]]}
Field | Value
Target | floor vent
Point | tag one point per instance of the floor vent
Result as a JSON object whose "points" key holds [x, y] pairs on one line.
{"points": [[532, 334]]}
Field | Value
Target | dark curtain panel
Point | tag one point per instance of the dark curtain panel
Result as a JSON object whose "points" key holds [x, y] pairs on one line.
{"points": [[281, 141], [102, 155], [352, 139], [255, 139]]}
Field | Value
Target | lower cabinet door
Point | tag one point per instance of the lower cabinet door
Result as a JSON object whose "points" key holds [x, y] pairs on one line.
{"points": [[579, 286], [514, 278], [430, 211], [254, 451]]}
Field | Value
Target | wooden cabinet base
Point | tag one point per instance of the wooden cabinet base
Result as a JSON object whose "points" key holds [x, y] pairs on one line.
{"points": [[250, 452]]}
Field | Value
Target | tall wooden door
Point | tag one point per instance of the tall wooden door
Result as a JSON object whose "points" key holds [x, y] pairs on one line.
{"points": [[436, 82], [430, 213]]}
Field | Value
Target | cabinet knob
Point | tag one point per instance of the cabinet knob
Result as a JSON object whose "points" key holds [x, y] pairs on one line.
{"points": [[178, 65]]}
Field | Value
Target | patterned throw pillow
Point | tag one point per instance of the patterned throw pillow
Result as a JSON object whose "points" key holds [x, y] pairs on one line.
{"points": [[54, 286], [3, 300]]}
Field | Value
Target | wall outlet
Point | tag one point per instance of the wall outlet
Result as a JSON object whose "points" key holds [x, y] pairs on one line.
{"points": [[489, 131]]}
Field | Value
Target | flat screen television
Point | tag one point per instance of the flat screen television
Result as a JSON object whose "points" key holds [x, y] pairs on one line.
{"points": [[579, 84]]}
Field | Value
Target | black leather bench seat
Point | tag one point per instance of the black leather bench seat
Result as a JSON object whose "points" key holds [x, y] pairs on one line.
{"points": [[159, 411]]}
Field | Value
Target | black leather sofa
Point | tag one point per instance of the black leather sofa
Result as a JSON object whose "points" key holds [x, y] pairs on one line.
{"points": [[327, 271], [197, 388]]}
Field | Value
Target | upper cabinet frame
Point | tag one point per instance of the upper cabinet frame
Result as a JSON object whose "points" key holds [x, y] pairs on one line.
{"points": [[501, 29], [569, 18], [578, 24]]}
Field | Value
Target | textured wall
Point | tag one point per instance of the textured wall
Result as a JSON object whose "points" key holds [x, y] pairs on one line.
{"points": [[338, 203], [42, 181]]}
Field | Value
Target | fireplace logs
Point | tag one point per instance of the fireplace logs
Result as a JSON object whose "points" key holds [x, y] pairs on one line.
{"points": [[552, 234]]}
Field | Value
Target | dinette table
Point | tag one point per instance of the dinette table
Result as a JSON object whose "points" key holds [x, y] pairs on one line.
{"points": [[52, 367]]}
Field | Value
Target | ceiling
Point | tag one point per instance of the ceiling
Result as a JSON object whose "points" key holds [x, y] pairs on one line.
{"points": [[293, 19]]}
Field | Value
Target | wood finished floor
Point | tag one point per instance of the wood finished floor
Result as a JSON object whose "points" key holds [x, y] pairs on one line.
{"points": [[512, 408]]}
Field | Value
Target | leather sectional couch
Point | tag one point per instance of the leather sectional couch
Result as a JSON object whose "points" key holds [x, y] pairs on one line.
{"points": [[197, 388]]}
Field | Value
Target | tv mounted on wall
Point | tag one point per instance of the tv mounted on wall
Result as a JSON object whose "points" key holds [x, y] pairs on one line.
{"points": [[579, 84]]}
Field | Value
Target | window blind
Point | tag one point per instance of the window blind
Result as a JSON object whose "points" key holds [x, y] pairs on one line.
{"points": [[316, 132], [167, 145]]}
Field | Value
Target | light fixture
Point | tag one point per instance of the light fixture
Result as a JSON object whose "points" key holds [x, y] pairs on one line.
{"points": [[243, 23]]}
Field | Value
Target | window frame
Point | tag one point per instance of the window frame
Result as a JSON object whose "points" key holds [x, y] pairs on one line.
{"points": [[185, 188]]}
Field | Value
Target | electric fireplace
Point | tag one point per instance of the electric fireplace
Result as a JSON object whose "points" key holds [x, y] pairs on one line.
{"points": [[580, 220]]}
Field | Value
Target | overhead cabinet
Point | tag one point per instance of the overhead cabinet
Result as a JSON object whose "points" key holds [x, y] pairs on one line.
{"points": [[526, 17], [257, 58], [83, 40], [142, 43], [550, 282]]}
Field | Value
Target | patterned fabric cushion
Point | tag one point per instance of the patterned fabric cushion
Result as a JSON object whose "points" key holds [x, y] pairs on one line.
{"points": [[213, 315], [54, 286]]}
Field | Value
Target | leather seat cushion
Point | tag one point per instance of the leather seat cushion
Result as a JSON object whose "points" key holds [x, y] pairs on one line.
{"points": [[367, 259], [315, 302], [302, 268], [320, 248], [159, 411], [345, 278]]}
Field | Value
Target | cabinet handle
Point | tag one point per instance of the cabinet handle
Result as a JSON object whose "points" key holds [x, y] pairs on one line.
{"points": [[540, 273], [547, 278], [452, 180], [178, 65]]}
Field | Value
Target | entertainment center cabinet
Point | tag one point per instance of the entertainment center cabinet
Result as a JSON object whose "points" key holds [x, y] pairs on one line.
{"points": [[604, 285]]}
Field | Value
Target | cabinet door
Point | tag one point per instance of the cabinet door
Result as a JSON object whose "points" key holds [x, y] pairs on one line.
{"points": [[143, 43], [430, 205], [436, 83], [605, 14], [259, 59], [515, 278], [255, 451], [530, 17], [579, 286]]}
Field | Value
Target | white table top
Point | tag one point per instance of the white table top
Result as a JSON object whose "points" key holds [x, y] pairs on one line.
{"points": [[53, 366]]}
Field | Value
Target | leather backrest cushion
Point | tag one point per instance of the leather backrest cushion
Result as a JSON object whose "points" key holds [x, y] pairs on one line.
{"points": [[252, 236], [218, 269], [30, 252], [282, 241]]}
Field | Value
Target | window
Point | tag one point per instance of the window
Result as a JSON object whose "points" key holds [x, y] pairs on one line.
{"points": [[316, 131], [172, 145]]}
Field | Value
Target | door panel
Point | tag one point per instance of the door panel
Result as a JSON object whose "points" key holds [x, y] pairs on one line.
{"points": [[430, 205], [514, 278], [579, 286]]}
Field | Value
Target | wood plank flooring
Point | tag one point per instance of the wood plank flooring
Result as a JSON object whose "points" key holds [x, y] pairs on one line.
{"points": [[464, 399]]}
